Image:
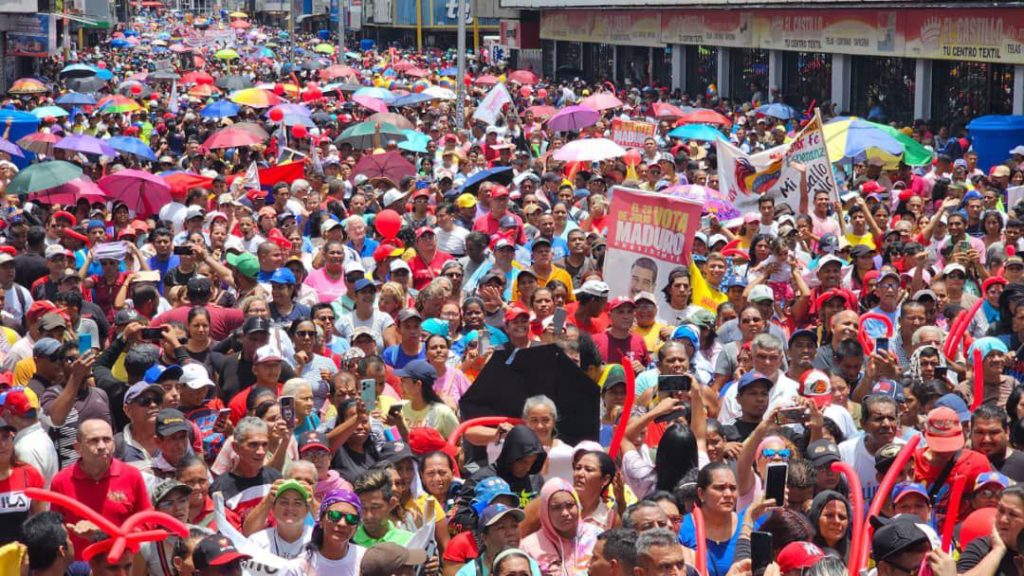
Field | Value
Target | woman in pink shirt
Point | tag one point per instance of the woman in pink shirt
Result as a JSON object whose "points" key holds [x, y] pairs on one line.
{"points": [[329, 281]]}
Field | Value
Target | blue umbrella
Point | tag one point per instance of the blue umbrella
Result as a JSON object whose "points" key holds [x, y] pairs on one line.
{"points": [[119, 43], [76, 99], [502, 175], [378, 93], [44, 111], [414, 141], [412, 99], [133, 146], [703, 132], [448, 71], [79, 70], [104, 74], [777, 110], [131, 32], [220, 109]]}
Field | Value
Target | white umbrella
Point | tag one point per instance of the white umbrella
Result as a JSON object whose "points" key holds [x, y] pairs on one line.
{"points": [[440, 93], [589, 150]]}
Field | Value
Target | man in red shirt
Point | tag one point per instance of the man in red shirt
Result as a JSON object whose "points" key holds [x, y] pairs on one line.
{"points": [[588, 311], [101, 482], [428, 261], [490, 223], [618, 344], [944, 434], [267, 368], [199, 290]]}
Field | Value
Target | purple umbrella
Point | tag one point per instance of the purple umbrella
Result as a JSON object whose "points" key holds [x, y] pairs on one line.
{"points": [[144, 192], [11, 148], [573, 119], [85, 144]]}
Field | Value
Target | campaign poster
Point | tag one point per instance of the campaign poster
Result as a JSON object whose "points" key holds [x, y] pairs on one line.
{"points": [[649, 235], [745, 177], [631, 133]]}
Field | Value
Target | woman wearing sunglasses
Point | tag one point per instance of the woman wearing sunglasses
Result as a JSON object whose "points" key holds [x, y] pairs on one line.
{"points": [[760, 449], [330, 550]]}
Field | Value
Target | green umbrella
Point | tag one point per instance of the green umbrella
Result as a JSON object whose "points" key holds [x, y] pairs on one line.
{"points": [[226, 54], [361, 135], [914, 153], [43, 176]]}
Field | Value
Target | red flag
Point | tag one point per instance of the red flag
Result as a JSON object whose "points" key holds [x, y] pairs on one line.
{"points": [[281, 173]]}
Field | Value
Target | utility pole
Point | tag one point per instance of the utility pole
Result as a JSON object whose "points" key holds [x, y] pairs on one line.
{"points": [[341, 30], [460, 85]]}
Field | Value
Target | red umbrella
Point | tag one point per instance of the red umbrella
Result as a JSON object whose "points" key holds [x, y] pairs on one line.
{"points": [[234, 137], [541, 112], [39, 142], [602, 101], [703, 116], [417, 73], [523, 77], [196, 77], [666, 111], [403, 65], [146, 193], [338, 71], [81, 187], [486, 80], [390, 165], [375, 104], [240, 24]]}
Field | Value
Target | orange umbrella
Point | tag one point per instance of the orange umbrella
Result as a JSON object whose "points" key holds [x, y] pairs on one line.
{"points": [[28, 86], [203, 91], [196, 77], [338, 71], [240, 25], [666, 111], [703, 116]]}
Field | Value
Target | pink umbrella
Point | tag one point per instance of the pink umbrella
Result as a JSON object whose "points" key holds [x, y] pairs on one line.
{"points": [[573, 118], [666, 111], [602, 101], [523, 77], [375, 104], [144, 192], [486, 80], [81, 187], [540, 111]]}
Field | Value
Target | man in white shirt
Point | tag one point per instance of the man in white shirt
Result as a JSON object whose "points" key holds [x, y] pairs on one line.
{"points": [[767, 352], [32, 445], [880, 422]]}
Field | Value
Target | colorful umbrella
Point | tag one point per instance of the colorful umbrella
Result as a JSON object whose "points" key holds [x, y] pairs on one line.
{"points": [[714, 202], [10, 148], [234, 137], [203, 91], [120, 105], [86, 145], [142, 191], [324, 48], [69, 193], [523, 77], [704, 132], [704, 116], [220, 109], [133, 146], [589, 150], [255, 98], [378, 93], [51, 111], [28, 86], [39, 142], [43, 176], [602, 101], [777, 110], [370, 103], [196, 77], [573, 118], [851, 137], [390, 165]]}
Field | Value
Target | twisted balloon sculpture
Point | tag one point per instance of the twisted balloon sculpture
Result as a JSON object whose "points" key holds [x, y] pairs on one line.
{"points": [[124, 537]]}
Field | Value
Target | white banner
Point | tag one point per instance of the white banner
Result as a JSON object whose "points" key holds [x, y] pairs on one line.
{"points": [[745, 177], [491, 105], [1014, 194], [262, 563]]}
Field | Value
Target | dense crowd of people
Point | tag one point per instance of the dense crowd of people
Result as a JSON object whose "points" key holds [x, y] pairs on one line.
{"points": [[276, 355]]}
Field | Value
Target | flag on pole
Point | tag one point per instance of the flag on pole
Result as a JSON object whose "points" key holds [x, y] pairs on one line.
{"points": [[492, 104], [251, 179]]}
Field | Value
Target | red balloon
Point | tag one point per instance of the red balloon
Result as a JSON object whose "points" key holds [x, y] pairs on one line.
{"points": [[101, 64], [299, 131], [388, 223], [524, 91], [542, 93], [136, 89], [276, 115], [977, 524], [311, 94], [154, 96], [279, 89], [49, 120], [632, 157]]}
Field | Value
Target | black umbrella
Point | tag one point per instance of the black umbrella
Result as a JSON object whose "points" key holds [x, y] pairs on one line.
{"points": [[313, 65], [503, 386], [85, 85], [232, 83], [501, 175], [320, 117], [163, 74]]}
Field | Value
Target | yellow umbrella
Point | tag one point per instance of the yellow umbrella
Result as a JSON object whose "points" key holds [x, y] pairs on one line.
{"points": [[324, 48], [238, 15]]}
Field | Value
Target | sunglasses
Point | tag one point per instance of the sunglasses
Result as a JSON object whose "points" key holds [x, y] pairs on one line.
{"points": [[336, 516], [306, 333], [783, 453], [148, 401]]}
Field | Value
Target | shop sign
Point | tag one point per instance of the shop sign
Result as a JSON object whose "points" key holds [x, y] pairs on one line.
{"points": [[18, 6], [34, 36], [979, 35], [631, 134], [634, 28], [875, 33], [708, 27], [567, 25]]}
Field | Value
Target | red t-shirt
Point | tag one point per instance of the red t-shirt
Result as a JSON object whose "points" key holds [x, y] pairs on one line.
{"points": [[594, 327], [490, 225], [613, 349], [116, 496], [969, 464], [103, 294], [237, 403], [424, 272], [16, 505], [461, 548]]}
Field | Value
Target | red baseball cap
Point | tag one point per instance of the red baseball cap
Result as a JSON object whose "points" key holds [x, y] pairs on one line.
{"points": [[65, 215], [499, 192], [513, 312], [619, 302], [797, 556], [943, 431], [871, 187]]}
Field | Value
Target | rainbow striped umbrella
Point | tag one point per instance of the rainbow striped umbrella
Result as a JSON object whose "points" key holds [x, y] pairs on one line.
{"points": [[28, 86], [120, 105], [255, 98]]}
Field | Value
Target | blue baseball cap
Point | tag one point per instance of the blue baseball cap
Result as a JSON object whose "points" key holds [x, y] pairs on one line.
{"points": [[495, 512], [904, 488], [956, 404], [687, 332], [418, 370], [362, 284], [991, 478], [890, 388], [753, 377], [282, 276], [487, 490], [158, 373]]}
